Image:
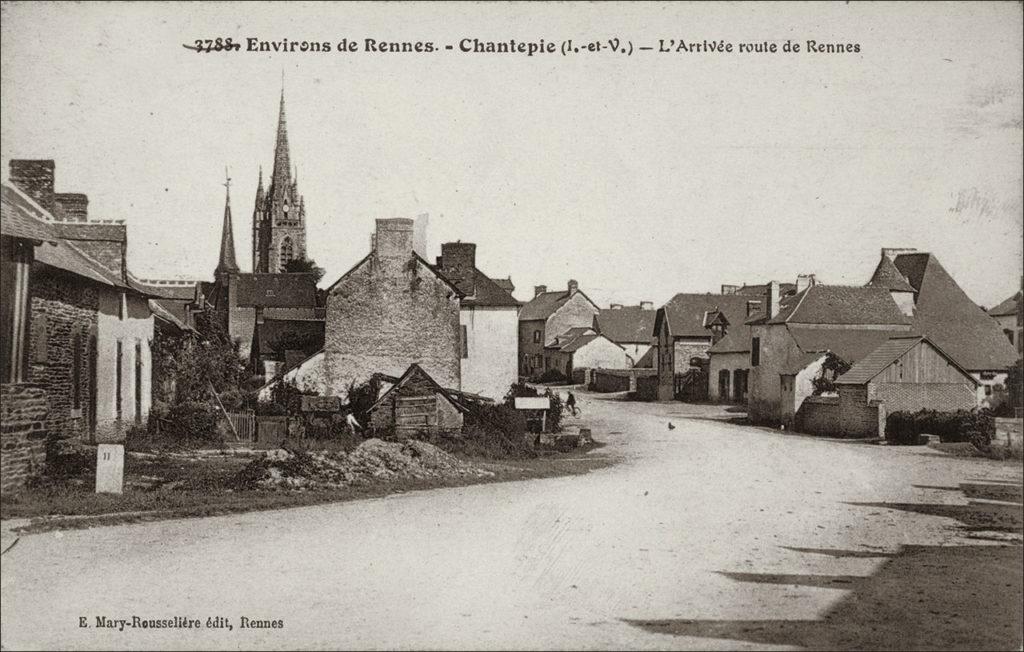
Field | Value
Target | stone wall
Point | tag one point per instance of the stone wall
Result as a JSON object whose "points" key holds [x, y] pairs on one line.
{"points": [[387, 314], [575, 313], [859, 417], [819, 415], [23, 412], [62, 307]]}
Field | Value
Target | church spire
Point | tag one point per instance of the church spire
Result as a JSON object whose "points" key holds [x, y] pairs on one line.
{"points": [[281, 177], [227, 263]]}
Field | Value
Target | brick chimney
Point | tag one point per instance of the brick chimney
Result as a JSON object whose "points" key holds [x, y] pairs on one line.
{"points": [[773, 298], [574, 286], [394, 238], [804, 281], [730, 289], [539, 290], [646, 305], [458, 263], [72, 206], [892, 252], [35, 179]]}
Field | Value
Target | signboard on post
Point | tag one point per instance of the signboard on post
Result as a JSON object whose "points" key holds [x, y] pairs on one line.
{"points": [[109, 468], [533, 403]]}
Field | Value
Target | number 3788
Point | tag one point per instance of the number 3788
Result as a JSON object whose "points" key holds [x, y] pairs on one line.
{"points": [[214, 45]]}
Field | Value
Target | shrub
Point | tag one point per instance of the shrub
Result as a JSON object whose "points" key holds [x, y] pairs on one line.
{"points": [[552, 376], [194, 420], [974, 426], [554, 414], [491, 431]]}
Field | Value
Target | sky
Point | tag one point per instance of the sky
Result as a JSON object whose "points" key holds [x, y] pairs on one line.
{"points": [[639, 175]]}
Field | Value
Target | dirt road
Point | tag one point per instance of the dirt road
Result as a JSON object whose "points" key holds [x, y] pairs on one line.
{"points": [[707, 535]]}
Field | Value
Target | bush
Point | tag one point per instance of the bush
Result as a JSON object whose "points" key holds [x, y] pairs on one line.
{"points": [[194, 420], [552, 376], [492, 431], [974, 426], [554, 414]]}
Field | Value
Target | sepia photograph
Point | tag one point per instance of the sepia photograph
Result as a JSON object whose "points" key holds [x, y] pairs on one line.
{"points": [[511, 325]]}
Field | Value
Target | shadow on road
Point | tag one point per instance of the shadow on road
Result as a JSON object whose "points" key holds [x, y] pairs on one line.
{"points": [[923, 597]]}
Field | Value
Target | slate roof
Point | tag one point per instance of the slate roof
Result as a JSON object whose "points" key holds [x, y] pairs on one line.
{"points": [[887, 276], [276, 290], [579, 342], [161, 313], [1008, 307], [544, 304], [736, 340], [687, 313], [626, 324], [485, 291], [947, 316], [268, 336], [505, 284], [852, 345], [416, 370], [840, 304], [176, 292], [752, 290], [21, 217], [175, 307], [884, 355], [69, 258]]}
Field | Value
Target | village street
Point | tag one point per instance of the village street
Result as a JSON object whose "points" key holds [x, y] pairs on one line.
{"points": [[706, 535]]}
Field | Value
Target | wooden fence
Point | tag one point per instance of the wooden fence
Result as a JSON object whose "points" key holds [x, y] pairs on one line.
{"points": [[243, 424]]}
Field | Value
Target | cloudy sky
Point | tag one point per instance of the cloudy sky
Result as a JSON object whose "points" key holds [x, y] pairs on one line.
{"points": [[639, 175]]}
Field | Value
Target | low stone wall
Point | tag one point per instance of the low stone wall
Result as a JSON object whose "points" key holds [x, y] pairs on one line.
{"points": [[848, 415], [647, 387], [621, 380], [1009, 432], [23, 412]]}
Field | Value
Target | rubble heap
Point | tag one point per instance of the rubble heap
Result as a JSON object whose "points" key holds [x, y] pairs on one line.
{"points": [[372, 460]]}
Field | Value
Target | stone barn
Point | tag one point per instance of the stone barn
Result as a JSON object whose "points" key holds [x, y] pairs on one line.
{"points": [[416, 403]]}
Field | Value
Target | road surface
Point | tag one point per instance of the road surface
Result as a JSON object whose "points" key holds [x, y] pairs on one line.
{"points": [[708, 535]]}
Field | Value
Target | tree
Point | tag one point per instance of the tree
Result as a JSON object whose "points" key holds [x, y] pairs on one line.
{"points": [[304, 266], [833, 367]]}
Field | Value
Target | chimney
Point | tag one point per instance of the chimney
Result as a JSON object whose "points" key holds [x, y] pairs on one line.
{"points": [[35, 179], [458, 263], [646, 305], [394, 238], [730, 289], [804, 281], [616, 306], [71, 207], [892, 252], [773, 299], [574, 286], [539, 290]]}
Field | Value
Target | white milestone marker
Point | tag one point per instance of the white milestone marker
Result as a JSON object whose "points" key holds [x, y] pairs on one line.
{"points": [[109, 468]]}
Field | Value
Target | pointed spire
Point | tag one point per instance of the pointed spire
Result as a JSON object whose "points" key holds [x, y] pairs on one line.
{"points": [[227, 263], [281, 177]]}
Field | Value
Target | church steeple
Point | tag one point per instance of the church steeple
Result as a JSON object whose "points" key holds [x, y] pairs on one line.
{"points": [[281, 177], [227, 263]]}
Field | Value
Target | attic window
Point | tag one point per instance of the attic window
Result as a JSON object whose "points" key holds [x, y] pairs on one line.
{"points": [[752, 307]]}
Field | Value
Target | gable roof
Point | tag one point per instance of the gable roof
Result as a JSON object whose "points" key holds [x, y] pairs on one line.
{"points": [[736, 340], [884, 355], [275, 290], [65, 256], [485, 292], [947, 316], [21, 217], [413, 371], [505, 284], [889, 277], [851, 345], [1007, 307], [840, 304], [415, 256], [626, 324], [545, 304], [173, 291], [688, 314], [162, 314]]}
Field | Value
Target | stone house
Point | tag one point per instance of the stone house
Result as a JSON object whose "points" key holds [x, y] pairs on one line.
{"points": [[545, 317], [391, 310], [688, 326], [488, 320], [632, 328], [24, 405], [1008, 315], [583, 349], [92, 323], [791, 340], [940, 310]]}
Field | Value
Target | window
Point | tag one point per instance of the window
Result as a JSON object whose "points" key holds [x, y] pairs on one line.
{"points": [[119, 380], [755, 351], [988, 390], [465, 342], [536, 337], [287, 252], [77, 360], [14, 309]]}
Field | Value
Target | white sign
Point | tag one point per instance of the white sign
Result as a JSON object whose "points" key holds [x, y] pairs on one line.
{"points": [[533, 403], [109, 468]]}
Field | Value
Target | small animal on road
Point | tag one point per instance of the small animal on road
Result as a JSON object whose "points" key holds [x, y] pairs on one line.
{"points": [[670, 426]]}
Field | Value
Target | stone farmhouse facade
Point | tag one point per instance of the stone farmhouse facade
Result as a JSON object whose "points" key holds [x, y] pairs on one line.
{"points": [[547, 316]]}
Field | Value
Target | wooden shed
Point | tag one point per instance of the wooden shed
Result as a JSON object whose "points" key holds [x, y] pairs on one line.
{"points": [[416, 403]]}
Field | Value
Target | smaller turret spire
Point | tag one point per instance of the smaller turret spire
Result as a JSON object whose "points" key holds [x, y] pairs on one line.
{"points": [[227, 263]]}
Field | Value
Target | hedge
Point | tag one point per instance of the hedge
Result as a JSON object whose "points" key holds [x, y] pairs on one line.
{"points": [[975, 426]]}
